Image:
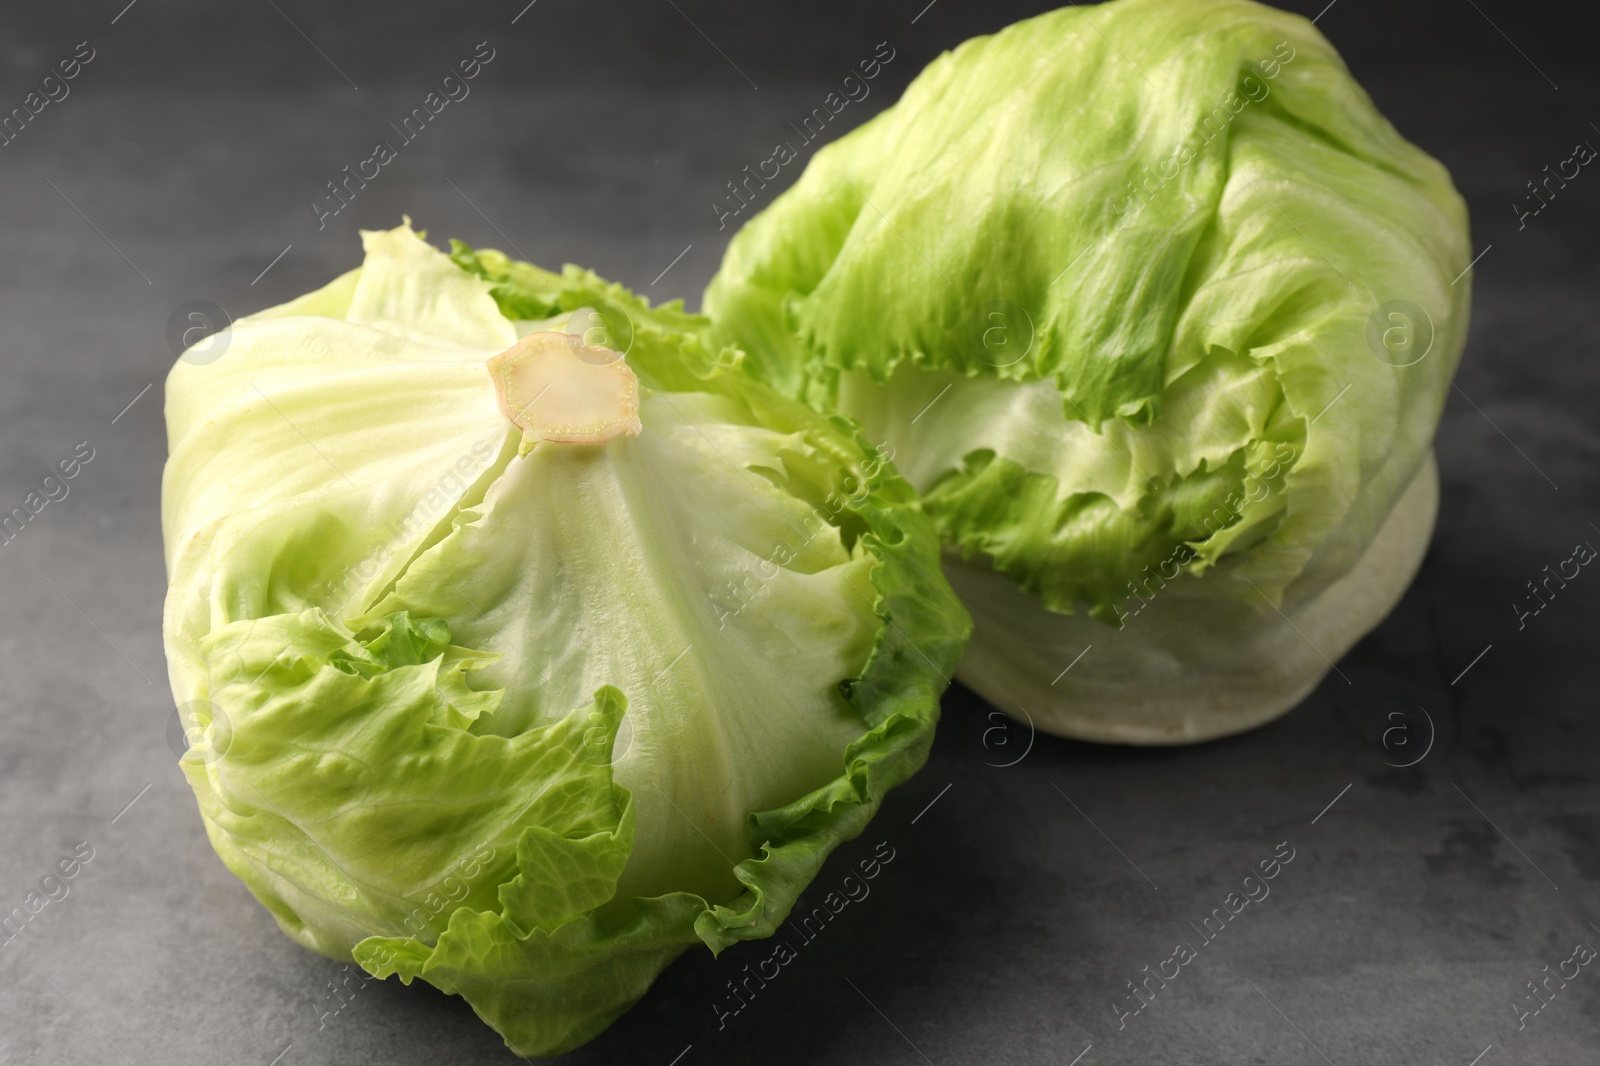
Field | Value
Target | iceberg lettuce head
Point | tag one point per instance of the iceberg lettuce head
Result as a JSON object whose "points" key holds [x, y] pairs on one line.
{"points": [[523, 641], [1159, 314]]}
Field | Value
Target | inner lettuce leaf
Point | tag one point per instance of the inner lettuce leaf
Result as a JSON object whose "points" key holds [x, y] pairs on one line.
{"points": [[527, 719], [1160, 314]]}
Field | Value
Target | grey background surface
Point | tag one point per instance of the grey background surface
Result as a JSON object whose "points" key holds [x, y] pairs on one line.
{"points": [[1416, 907]]}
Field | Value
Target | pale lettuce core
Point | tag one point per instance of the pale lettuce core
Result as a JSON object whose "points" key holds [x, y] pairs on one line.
{"points": [[526, 709], [1159, 314]]}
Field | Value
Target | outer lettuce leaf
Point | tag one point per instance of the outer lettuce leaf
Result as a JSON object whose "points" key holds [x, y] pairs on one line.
{"points": [[310, 462], [1186, 665], [1108, 281], [526, 722]]}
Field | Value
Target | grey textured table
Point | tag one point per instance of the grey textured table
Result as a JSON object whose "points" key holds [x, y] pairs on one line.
{"points": [[1417, 905]]}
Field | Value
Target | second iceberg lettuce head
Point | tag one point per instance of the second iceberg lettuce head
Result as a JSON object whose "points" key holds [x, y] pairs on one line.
{"points": [[1159, 313]]}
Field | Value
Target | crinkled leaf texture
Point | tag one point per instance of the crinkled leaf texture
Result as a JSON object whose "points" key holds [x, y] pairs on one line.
{"points": [[1159, 313], [527, 720]]}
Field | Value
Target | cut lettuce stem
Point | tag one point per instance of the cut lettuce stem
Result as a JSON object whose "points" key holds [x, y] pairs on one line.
{"points": [[556, 388]]}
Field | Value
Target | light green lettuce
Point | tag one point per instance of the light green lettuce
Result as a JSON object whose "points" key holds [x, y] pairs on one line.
{"points": [[1159, 313], [527, 719]]}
